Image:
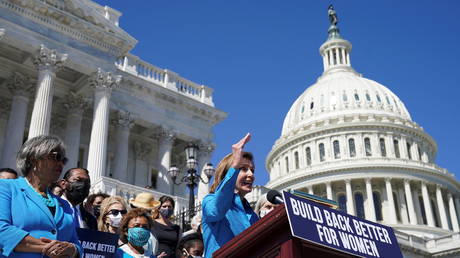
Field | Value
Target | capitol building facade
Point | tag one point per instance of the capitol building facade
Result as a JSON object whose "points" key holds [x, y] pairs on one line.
{"points": [[352, 140], [66, 70]]}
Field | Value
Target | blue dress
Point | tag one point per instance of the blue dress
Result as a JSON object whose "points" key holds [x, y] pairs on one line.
{"points": [[225, 215], [23, 213]]}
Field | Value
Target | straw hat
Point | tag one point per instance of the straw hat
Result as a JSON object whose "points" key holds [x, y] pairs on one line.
{"points": [[145, 200]]}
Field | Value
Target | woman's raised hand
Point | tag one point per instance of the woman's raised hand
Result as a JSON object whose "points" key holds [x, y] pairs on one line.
{"points": [[237, 150]]}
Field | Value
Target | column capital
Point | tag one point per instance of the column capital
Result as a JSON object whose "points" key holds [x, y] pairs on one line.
{"points": [[348, 181], [19, 84], [388, 179], [104, 80], [142, 149], [123, 119], [407, 180], [368, 180], [166, 136], [328, 183], [438, 187], [449, 195], [75, 102], [49, 59]]}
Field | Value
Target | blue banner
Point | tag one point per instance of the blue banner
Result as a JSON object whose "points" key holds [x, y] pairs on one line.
{"points": [[97, 244], [317, 223]]}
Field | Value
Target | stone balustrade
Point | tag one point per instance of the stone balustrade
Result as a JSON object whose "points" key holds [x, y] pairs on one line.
{"points": [[135, 66], [115, 187]]}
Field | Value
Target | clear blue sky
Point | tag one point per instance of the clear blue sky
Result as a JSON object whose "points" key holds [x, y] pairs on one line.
{"points": [[260, 55]]}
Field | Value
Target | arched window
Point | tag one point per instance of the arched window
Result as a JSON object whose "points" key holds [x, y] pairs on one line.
{"points": [[345, 97], [409, 147], [312, 104], [368, 97], [383, 149], [419, 153], [356, 97], [359, 205], [422, 209], [351, 147], [308, 154], [322, 153], [286, 159], [296, 160], [342, 202], [388, 100], [377, 206], [336, 149], [435, 213], [379, 99], [396, 145], [367, 146], [397, 208]]}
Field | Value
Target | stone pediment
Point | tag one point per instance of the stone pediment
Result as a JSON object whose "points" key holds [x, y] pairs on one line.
{"points": [[87, 18]]}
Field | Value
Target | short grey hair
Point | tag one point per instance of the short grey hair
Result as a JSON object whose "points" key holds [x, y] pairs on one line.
{"points": [[37, 148]]}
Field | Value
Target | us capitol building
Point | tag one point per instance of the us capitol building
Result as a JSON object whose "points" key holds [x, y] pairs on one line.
{"points": [[66, 70], [352, 140]]}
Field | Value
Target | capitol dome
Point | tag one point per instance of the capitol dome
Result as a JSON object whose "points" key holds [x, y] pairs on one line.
{"points": [[343, 93], [352, 140]]}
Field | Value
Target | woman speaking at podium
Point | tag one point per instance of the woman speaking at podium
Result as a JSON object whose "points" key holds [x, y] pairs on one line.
{"points": [[226, 212]]}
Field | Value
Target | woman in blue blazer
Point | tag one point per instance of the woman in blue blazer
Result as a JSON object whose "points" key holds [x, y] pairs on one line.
{"points": [[33, 221], [226, 212]]}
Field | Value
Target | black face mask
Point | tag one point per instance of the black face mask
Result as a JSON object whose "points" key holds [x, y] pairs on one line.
{"points": [[97, 210], [78, 191]]}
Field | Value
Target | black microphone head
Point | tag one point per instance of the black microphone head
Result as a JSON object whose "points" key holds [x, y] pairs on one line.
{"points": [[271, 196]]}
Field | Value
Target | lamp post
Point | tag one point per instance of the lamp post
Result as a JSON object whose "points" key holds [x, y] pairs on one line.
{"points": [[191, 178]]}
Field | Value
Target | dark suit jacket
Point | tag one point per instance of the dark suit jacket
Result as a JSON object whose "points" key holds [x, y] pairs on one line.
{"points": [[88, 218]]}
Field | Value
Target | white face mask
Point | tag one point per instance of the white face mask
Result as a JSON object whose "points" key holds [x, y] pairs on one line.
{"points": [[115, 220]]}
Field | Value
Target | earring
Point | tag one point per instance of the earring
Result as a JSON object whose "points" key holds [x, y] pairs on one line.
{"points": [[35, 168]]}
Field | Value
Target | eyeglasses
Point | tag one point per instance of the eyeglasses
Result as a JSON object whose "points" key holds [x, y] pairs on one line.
{"points": [[115, 212], [57, 156]]}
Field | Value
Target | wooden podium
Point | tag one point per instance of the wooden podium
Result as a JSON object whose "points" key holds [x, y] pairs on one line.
{"points": [[271, 237]]}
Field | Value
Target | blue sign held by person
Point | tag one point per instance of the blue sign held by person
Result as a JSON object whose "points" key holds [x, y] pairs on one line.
{"points": [[97, 244], [319, 224]]}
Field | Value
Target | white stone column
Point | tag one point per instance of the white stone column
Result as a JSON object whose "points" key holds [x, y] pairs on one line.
{"points": [[391, 203], [403, 151], [370, 209], [414, 151], [166, 141], [329, 190], [48, 62], [410, 203], [310, 189], [123, 123], [74, 106], [204, 157], [418, 208], [141, 173], [441, 208], [403, 206], [20, 87], [350, 201], [427, 205], [453, 214], [103, 83]]}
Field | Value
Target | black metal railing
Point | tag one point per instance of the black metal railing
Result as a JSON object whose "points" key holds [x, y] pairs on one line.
{"points": [[183, 218]]}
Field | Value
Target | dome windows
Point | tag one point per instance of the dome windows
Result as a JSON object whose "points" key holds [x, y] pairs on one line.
{"points": [[296, 160], [351, 147], [286, 160], [359, 205], [383, 149], [356, 97], [396, 146], [409, 147], [312, 104], [336, 146], [368, 97], [344, 97], [342, 200], [378, 98], [367, 146], [322, 153], [377, 205], [308, 155]]}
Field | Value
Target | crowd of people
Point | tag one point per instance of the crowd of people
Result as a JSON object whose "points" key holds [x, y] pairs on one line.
{"points": [[40, 211]]}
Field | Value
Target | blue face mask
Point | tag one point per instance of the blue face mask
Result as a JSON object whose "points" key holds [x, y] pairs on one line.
{"points": [[138, 236]]}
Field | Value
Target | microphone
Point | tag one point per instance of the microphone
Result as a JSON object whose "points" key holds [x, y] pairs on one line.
{"points": [[274, 197]]}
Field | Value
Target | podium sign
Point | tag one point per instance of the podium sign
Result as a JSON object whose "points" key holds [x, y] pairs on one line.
{"points": [[316, 223]]}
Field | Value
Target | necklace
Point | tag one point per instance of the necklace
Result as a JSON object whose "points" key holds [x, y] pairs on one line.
{"points": [[48, 200]]}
